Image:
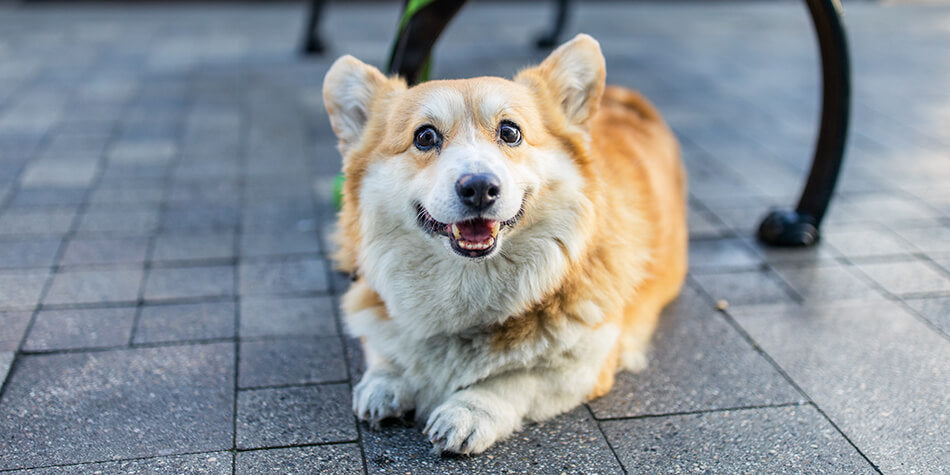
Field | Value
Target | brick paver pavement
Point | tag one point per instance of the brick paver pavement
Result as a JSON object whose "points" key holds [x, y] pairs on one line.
{"points": [[167, 305]]}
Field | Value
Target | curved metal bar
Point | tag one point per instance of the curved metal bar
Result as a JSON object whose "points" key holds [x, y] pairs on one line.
{"points": [[800, 227], [551, 37], [312, 43], [420, 31], [414, 42]]}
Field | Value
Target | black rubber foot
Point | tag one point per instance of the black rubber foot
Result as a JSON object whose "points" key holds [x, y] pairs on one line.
{"points": [[314, 46], [546, 41], [788, 229]]}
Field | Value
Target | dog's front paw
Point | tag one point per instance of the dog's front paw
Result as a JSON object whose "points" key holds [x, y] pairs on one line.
{"points": [[381, 395], [468, 426]]}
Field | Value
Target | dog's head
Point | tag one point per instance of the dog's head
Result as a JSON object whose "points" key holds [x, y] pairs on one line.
{"points": [[464, 163]]}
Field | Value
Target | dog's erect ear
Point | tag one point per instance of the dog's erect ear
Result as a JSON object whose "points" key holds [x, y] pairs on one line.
{"points": [[348, 91], [574, 74]]}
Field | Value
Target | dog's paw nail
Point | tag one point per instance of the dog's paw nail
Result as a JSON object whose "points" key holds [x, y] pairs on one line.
{"points": [[438, 447]]}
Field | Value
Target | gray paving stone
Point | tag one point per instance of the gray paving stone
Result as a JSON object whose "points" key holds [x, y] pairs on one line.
{"points": [[200, 218], [721, 254], [744, 288], [944, 263], [291, 361], [865, 241], [66, 173], [80, 328], [120, 222], [36, 222], [283, 277], [569, 443], [147, 152], [214, 191], [48, 196], [295, 415], [276, 316], [744, 219], [827, 281], [702, 224], [935, 309], [906, 277], [891, 210], [36, 252], [115, 174], [335, 458], [769, 440], [12, 328], [20, 289], [184, 322], [127, 194], [800, 256], [206, 463], [931, 240], [164, 283], [258, 244], [355, 359], [847, 357], [285, 215], [87, 251], [185, 247], [94, 286], [84, 407], [223, 171], [698, 362], [6, 361]]}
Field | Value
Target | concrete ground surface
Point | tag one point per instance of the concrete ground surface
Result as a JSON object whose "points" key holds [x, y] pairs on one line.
{"points": [[166, 302]]}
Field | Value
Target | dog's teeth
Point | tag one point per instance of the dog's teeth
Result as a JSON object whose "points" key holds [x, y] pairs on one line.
{"points": [[495, 226], [471, 246], [455, 231]]}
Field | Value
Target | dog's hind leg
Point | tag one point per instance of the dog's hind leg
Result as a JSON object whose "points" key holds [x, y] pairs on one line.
{"points": [[642, 314]]}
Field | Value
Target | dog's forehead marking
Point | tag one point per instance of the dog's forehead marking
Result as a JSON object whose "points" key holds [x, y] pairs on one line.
{"points": [[490, 101], [442, 105], [480, 101]]}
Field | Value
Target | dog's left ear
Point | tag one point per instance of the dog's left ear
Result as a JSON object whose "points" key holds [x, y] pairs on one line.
{"points": [[574, 75], [349, 89]]}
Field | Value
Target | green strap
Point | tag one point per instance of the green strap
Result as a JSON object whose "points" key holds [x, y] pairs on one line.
{"points": [[412, 7]]}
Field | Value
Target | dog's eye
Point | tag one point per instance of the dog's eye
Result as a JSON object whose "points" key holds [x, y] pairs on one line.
{"points": [[509, 133], [426, 137]]}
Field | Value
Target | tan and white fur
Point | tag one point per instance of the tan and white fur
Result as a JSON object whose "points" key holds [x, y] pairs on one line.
{"points": [[479, 332]]}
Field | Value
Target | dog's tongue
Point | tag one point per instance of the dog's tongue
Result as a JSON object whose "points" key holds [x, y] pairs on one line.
{"points": [[475, 230]]}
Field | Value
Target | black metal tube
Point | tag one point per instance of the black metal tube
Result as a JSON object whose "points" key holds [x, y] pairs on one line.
{"points": [[800, 227], [835, 109], [414, 43], [552, 37], [312, 43]]}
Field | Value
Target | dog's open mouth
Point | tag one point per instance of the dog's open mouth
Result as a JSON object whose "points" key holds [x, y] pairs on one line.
{"points": [[475, 237]]}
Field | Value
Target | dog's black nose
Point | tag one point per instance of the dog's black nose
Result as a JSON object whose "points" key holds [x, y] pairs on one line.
{"points": [[478, 190]]}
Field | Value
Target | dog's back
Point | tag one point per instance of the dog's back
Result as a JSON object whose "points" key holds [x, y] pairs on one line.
{"points": [[637, 157]]}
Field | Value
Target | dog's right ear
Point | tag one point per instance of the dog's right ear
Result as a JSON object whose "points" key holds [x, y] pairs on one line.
{"points": [[349, 89], [574, 75]]}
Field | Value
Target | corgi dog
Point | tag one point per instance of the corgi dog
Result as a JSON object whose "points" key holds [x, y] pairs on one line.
{"points": [[512, 242]]}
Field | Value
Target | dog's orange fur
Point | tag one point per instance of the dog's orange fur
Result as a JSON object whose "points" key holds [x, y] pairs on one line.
{"points": [[636, 261]]}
